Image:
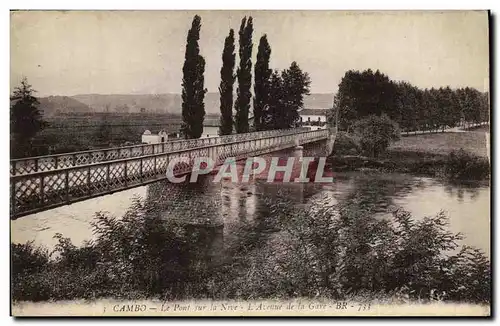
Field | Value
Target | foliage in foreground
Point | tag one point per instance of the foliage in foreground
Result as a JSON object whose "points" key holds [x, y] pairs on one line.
{"points": [[336, 252]]}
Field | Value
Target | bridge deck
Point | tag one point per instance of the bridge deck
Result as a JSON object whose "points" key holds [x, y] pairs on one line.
{"points": [[78, 180], [59, 161]]}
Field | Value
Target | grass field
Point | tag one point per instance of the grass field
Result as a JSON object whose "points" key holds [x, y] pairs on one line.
{"points": [[443, 143]]}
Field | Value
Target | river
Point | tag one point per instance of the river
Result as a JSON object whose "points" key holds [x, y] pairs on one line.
{"points": [[234, 207]]}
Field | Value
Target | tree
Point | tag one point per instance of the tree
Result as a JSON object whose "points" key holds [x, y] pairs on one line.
{"points": [[485, 107], [286, 98], [364, 93], [261, 87], [375, 133], [406, 113], [25, 119], [435, 120], [425, 115], [296, 84], [448, 108], [193, 91], [244, 75], [332, 114], [226, 85], [471, 105], [272, 117]]}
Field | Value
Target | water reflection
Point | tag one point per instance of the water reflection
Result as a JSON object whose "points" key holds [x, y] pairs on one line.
{"points": [[471, 189], [230, 219], [374, 192], [227, 218]]}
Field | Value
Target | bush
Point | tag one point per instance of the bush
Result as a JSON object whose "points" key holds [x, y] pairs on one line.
{"points": [[345, 144], [375, 133], [139, 254], [27, 264], [465, 166], [333, 251], [352, 254]]}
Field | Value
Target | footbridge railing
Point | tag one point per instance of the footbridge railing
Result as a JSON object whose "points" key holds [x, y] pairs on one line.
{"points": [[106, 171], [65, 160]]}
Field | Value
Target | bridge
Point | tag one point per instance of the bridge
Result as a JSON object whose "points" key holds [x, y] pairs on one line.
{"points": [[45, 182]]}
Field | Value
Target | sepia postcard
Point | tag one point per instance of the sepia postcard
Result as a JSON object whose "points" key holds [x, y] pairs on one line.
{"points": [[250, 163]]}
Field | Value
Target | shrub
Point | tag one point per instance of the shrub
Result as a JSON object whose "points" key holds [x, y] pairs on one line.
{"points": [[345, 144], [463, 165], [333, 251], [139, 253], [351, 253], [28, 263], [375, 133]]}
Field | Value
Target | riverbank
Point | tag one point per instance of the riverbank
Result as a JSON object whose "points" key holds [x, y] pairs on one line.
{"points": [[453, 155], [427, 164], [458, 165], [264, 257], [473, 142], [296, 307]]}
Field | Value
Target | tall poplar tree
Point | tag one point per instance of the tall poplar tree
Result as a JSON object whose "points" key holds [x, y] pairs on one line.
{"points": [[226, 85], [244, 75], [262, 82], [193, 91], [274, 115]]}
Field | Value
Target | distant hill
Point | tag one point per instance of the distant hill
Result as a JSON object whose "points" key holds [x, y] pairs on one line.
{"points": [[318, 101], [123, 103], [62, 104], [151, 103]]}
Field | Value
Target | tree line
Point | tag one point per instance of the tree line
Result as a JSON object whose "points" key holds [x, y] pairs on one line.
{"points": [[365, 93], [277, 96]]}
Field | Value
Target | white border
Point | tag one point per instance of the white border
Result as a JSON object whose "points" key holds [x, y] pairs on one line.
{"points": [[148, 4]]}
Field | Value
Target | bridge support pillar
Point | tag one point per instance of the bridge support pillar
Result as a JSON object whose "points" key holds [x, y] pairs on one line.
{"points": [[298, 153]]}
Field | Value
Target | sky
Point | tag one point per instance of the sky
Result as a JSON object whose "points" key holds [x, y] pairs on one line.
{"points": [[142, 52]]}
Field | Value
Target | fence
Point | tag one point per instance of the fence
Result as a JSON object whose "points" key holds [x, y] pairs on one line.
{"points": [[58, 161], [40, 190]]}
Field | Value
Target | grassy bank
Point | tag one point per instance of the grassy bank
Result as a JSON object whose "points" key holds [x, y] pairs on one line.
{"points": [[456, 156], [443, 143]]}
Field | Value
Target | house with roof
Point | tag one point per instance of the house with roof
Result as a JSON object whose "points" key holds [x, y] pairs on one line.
{"points": [[210, 127], [313, 119]]}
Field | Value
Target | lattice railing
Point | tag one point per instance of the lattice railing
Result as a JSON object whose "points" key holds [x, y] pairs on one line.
{"points": [[60, 161], [41, 190]]}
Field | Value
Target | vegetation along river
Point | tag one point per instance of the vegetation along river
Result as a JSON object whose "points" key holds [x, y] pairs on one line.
{"points": [[236, 207]]}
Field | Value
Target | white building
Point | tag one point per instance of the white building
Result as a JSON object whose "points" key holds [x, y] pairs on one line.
{"points": [[210, 131], [149, 138], [313, 118]]}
